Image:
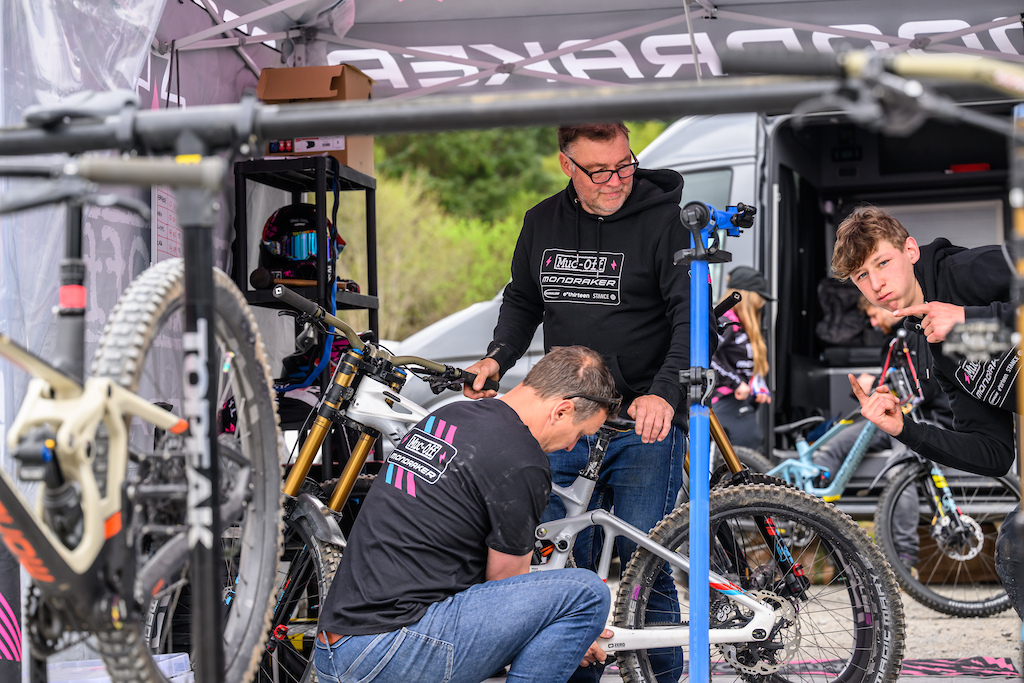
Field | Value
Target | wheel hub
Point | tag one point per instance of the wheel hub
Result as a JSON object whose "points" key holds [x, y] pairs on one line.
{"points": [[766, 657], [959, 542]]}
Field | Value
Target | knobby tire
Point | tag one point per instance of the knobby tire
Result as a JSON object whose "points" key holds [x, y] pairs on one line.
{"points": [[142, 335], [850, 619], [955, 574]]}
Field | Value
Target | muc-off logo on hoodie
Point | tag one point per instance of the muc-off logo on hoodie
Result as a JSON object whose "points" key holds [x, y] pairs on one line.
{"points": [[585, 277], [994, 381]]}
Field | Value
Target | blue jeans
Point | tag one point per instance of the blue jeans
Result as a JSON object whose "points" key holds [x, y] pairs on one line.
{"points": [[540, 623], [641, 481]]}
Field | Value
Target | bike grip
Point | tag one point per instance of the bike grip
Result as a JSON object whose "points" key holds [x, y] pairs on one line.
{"points": [[781, 62], [727, 303], [296, 301], [489, 385], [207, 173]]}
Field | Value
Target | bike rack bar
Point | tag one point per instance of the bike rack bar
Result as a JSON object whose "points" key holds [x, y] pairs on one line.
{"points": [[225, 126]]}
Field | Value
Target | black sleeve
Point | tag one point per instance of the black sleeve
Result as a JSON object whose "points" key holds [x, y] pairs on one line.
{"points": [[514, 506], [990, 280], [981, 440], [522, 308], [674, 283]]}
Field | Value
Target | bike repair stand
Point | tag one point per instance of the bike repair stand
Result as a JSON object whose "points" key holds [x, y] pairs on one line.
{"points": [[197, 209], [703, 222]]}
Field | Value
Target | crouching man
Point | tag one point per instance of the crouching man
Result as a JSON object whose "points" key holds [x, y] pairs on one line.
{"points": [[434, 584]]}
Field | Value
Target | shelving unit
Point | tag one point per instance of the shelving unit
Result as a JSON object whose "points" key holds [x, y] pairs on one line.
{"points": [[298, 175], [316, 174]]}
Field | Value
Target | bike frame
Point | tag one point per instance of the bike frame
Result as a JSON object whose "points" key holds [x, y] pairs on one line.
{"points": [[376, 405], [801, 471], [562, 532]]}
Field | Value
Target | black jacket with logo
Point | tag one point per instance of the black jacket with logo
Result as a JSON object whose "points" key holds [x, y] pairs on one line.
{"points": [[608, 283], [979, 280]]}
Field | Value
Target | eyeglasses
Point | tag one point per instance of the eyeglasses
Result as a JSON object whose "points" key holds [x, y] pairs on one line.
{"points": [[602, 177], [612, 403]]}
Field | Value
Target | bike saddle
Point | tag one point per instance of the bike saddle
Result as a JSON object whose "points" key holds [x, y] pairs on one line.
{"points": [[794, 426], [88, 105], [619, 424]]}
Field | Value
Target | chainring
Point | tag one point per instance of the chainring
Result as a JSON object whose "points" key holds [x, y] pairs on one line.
{"points": [[755, 657]]}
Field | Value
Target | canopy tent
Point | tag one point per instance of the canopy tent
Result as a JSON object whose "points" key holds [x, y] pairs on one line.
{"points": [[418, 47], [411, 48]]}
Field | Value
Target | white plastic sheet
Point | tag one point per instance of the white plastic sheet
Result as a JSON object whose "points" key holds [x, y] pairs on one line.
{"points": [[52, 49]]}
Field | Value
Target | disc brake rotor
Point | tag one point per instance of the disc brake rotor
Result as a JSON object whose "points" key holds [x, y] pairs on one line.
{"points": [[767, 656], [961, 544]]}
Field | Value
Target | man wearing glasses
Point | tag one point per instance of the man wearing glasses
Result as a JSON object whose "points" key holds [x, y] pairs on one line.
{"points": [[594, 264]]}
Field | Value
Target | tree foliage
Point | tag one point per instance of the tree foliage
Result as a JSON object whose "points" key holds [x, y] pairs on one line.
{"points": [[429, 263], [473, 173]]}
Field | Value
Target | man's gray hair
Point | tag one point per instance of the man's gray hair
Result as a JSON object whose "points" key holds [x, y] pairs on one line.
{"points": [[568, 370]]}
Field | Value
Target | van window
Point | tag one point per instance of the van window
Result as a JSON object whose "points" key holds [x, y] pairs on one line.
{"points": [[710, 187]]}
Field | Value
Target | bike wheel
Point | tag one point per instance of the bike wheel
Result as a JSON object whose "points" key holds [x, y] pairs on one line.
{"points": [[846, 624], [955, 569], [141, 350], [306, 572]]}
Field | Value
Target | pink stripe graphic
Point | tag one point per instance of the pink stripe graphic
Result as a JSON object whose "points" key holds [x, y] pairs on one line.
{"points": [[12, 626], [440, 428], [410, 485], [398, 477], [6, 653], [451, 434]]}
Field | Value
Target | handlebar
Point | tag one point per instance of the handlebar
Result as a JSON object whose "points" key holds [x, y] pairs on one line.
{"points": [[452, 375]]}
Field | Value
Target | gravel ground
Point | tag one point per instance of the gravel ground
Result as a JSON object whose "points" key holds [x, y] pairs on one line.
{"points": [[931, 635]]}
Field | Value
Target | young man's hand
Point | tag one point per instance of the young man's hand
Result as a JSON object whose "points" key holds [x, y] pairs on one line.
{"points": [[937, 318], [484, 369], [595, 653], [653, 416], [881, 408]]}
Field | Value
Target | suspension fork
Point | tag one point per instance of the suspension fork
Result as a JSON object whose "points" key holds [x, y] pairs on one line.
{"points": [[939, 493], [792, 571], [338, 395]]}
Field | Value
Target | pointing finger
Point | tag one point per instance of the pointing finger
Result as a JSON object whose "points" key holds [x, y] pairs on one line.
{"points": [[919, 310], [857, 391]]}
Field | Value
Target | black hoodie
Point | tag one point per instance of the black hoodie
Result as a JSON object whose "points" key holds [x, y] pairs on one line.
{"points": [[979, 280], [608, 283]]}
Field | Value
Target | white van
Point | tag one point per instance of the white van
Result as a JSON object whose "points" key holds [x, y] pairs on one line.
{"points": [[943, 181]]}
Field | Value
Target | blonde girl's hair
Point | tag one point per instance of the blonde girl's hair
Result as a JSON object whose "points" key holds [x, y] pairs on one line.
{"points": [[749, 312]]}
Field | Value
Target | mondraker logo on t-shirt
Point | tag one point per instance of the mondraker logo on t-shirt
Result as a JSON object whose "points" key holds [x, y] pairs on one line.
{"points": [[423, 454], [586, 277]]}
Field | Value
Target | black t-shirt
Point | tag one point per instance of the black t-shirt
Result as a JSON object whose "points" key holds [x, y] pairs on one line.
{"points": [[467, 478]]}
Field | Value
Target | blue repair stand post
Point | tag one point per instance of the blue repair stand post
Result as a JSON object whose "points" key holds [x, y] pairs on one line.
{"points": [[703, 222]]}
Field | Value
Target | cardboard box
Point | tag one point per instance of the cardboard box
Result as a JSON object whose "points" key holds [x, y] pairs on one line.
{"points": [[320, 84]]}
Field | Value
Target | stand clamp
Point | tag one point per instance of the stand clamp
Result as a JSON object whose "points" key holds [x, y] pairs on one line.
{"points": [[701, 382]]}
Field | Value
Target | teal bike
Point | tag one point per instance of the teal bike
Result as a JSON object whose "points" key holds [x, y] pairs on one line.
{"points": [[957, 514]]}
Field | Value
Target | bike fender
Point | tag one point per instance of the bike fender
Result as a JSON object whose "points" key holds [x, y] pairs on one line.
{"points": [[904, 455], [320, 518]]}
